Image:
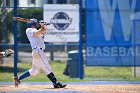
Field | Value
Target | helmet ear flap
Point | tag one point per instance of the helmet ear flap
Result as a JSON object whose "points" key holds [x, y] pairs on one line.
{"points": [[29, 24]]}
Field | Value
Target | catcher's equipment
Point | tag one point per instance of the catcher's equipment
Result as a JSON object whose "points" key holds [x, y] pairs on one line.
{"points": [[8, 52]]}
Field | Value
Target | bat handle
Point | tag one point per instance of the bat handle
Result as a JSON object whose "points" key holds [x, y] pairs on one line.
{"points": [[47, 24]]}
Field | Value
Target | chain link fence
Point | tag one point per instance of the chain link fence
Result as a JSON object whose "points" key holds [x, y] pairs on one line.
{"points": [[57, 53]]}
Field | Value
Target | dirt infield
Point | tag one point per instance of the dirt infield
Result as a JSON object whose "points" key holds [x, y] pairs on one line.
{"points": [[91, 88]]}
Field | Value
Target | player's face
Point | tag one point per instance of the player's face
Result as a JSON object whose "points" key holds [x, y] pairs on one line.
{"points": [[38, 25]]}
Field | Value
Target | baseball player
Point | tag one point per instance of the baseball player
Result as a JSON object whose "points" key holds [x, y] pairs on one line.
{"points": [[39, 59], [6, 53]]}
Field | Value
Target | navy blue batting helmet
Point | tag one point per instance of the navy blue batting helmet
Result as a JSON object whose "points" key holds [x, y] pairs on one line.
{"points": [[32, 23]]}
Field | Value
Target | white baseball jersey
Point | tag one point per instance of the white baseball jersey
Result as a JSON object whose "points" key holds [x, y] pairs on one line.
{"points": [[35, 41], [39, 58]]}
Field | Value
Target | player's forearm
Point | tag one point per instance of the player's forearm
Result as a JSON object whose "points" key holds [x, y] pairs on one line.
{"points": [[40, 31]]}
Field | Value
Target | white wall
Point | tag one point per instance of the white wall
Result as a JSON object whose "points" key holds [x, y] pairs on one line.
{"points": [[38, 3], [23, 3]]}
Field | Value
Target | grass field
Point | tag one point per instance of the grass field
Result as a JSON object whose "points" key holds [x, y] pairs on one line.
{"points": [[91, 73]]}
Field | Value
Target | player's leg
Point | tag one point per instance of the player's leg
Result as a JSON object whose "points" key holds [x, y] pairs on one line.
{"points": [[35, 66], [56, 84], [32, 72], [47, 69], [24, 75]]}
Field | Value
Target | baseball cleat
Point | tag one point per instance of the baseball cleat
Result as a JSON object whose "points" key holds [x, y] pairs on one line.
{"points": [[59, 85], [16, 81]]}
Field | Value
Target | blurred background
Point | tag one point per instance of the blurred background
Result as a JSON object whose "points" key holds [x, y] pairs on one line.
{"points": [[58, 54]]}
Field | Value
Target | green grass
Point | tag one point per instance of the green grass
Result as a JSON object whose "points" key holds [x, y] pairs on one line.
{"points": [[91, 73]]}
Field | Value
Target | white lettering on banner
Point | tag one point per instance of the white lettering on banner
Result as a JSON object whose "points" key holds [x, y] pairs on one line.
{"points": [[122, 51], [64, 33], [112, 51], [89, 51], [130, 52], [107, 12], [61, 21], [98, 52], [106, 51]]}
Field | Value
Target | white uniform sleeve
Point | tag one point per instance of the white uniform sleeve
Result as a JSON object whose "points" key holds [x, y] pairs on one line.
{"points": [[30, 32]]}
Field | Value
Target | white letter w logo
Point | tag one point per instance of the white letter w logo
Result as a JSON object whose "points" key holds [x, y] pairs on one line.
{"points": [[107, 11]]}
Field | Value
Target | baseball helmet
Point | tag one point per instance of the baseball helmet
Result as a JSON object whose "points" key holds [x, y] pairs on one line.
{"points": [[33, 22]]}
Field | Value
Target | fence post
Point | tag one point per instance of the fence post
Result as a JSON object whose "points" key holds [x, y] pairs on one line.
{"points": [[80, 40], [15, 39]]}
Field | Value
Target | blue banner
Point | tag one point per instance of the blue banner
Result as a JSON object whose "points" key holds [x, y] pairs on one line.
{"points": [[112, 37]]}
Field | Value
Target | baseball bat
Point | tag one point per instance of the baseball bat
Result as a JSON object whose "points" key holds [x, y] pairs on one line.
{"points": [[28, 20], [22, 19]]}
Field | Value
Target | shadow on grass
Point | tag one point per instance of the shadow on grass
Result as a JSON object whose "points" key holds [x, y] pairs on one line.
{"points": [[11, 69]]}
